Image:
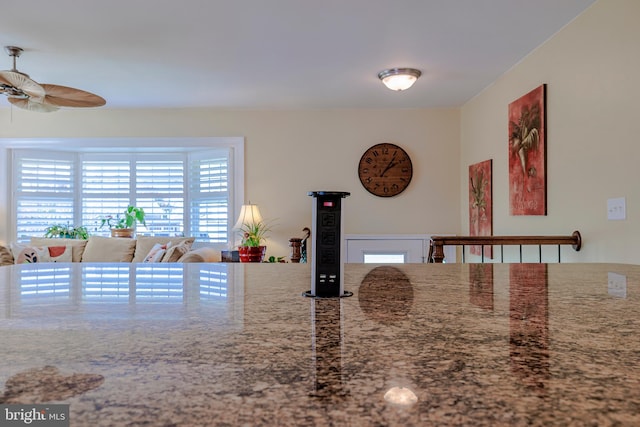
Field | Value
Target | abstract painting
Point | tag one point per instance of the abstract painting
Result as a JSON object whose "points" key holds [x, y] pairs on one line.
{"points": [[527, 154], [481, 204]]}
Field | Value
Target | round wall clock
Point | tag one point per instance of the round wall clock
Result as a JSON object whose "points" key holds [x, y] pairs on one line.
{"points": [[385, 170]]}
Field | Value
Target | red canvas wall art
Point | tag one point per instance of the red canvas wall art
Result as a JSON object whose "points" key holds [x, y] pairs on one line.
{"points": [[527, 154], [481, 204]]}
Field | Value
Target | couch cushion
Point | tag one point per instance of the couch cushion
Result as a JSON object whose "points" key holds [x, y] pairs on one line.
{"points": [[6, 257], [76, 250], [29, 254], [146, 243], [109, 249]]}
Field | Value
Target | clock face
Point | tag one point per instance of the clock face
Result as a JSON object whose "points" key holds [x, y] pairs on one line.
{"points": [[385, 170]]}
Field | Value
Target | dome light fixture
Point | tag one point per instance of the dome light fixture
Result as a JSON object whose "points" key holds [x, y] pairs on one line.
{"points": [[399, 78], [402, 396]]}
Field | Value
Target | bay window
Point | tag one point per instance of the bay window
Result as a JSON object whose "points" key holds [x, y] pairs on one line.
{"points": [[192, 191]]}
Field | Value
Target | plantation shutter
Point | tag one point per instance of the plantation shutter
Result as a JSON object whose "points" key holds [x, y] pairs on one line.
{"points": [[153, 182], [106, 187], [183, 193], [160, 191], [209, 195], [44, 192]]}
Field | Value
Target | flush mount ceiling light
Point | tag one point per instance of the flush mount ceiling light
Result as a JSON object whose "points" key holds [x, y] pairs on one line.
{"points": [[400, 396], [399, 78]]}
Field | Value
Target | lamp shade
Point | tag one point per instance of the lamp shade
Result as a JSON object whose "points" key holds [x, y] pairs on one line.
{"points": [[399, 78], [249, 214]]}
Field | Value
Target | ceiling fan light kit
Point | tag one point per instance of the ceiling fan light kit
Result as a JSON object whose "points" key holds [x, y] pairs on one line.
{"points": [[399, 78], [25, 93]]}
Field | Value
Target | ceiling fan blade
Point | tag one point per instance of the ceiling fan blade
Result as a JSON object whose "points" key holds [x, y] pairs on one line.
{"points": [[32, 105], [22, 82], [63, 96]]}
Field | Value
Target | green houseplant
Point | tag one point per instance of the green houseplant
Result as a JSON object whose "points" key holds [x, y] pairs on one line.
{"points": [[66, 231], [123, 225], [251, 248]]}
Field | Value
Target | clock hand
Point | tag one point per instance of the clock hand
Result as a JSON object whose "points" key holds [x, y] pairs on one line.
{"points": [[390, 165]]}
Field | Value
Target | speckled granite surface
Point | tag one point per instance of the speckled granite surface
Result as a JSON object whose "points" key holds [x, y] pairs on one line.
{"points": [[237, 345]]}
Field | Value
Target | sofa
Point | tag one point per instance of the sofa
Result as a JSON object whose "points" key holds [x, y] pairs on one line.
{"points": [[107, 249]]}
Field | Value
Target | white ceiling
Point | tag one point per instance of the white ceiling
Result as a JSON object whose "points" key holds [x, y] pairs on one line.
{"points": [[282, 54]]}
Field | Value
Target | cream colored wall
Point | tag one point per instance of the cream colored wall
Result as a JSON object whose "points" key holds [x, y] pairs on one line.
{"points": [[591, 69], [288, 153]]}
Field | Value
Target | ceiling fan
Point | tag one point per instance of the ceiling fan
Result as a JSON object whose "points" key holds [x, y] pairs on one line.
{"points": [[23, 92]]}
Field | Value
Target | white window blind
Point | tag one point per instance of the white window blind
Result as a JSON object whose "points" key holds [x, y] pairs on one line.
{"points": [[160, 190], [209, 195], [44, 191], [154, 182], [106, 185], [182, 193]]}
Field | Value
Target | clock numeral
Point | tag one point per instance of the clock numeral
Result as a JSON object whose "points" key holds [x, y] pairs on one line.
{"points": [[405, 170], [365, 170], [375, 153], [369, 160], [368, 180], [385, 150]]}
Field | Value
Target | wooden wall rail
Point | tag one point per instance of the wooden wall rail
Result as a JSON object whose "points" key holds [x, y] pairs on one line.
{"points": [[436, 251]]}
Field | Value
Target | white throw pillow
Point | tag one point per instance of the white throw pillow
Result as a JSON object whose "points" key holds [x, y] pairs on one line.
{"points": [[146, 243], [28, 254], [156, 253], [78, 245]]}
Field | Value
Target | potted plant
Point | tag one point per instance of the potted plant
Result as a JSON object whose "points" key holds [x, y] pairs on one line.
{"points": [[66, 232], [123, 225], [251, 248]]}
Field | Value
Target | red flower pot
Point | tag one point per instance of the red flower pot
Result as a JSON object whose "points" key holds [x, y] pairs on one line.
{"points": [[252, 253]]}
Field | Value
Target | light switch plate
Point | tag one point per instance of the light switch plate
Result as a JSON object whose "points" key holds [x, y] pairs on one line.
{"points": [[617, 285], [617, 208]]}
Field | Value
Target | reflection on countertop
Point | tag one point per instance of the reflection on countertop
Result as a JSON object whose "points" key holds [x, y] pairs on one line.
{"points": [[237, 344]]}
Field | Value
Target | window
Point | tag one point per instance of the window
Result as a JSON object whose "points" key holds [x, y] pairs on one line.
{"points": [[186, 192], [381, 258], [44, 192], [154, 182]]}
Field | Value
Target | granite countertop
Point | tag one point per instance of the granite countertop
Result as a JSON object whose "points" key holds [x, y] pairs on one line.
{"points": [[238, 344]]}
